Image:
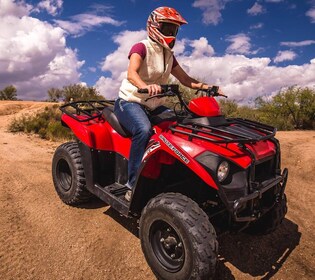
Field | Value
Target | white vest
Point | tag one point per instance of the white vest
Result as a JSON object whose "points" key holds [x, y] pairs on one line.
{"points": [[155, 69]]}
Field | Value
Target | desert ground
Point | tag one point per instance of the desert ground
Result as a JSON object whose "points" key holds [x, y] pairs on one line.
{"points": [[42, 238]]}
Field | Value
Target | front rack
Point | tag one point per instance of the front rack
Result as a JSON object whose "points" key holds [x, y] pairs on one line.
{"points": [[84, 111], [235, 130]]}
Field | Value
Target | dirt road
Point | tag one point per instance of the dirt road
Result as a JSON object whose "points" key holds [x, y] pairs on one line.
{"points": [[41, 238]]}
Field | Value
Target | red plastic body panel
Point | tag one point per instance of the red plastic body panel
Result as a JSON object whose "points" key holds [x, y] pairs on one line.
{"points": [[205, 107], [167, 147], [98, 134]]}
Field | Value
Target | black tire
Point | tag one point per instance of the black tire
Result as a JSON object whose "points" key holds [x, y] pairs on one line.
{"points": [[271, 220], [68, 174], [177, 238]]}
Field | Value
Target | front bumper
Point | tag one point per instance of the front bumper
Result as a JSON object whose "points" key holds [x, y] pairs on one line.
{"points": [[241, 203]]}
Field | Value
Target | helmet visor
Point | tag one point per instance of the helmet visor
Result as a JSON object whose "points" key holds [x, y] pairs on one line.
{"points": [[168, 29]]}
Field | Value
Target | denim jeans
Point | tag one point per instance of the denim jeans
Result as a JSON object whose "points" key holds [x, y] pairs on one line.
{"points": [[134, 118]]}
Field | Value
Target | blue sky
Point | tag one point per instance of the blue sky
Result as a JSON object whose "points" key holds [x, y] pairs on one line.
{"points": [[249, 48]]}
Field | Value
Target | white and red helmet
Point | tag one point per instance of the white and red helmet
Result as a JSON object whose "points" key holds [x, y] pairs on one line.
{"points": [[163, 24]]}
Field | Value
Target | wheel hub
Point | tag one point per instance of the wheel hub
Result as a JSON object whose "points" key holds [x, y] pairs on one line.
{"points": [[167, 246]]}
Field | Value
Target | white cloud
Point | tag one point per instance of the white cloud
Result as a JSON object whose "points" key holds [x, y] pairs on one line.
{"points": [[52, 7], [18, 9], [81, 23], [33, 53], [273, 1], [311, 14], [285, 56], [211, 10], [298, 44], [116, 63], [256, 9], [257, 26], [240, 44], [240, 77], [201, 48]]}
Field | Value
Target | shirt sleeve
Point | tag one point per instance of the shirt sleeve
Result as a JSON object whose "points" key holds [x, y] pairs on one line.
{"points": [[138, 48]]}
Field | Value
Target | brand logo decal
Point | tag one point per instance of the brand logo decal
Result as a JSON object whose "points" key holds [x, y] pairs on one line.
{"points": [[177, 152], [151, 147]]}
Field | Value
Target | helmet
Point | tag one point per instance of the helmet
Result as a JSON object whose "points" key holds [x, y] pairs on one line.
{"points": [[163, 24]]}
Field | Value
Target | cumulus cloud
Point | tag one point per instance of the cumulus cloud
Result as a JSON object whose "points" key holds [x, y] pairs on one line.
{"points": [[201, 48], [52, 7], [116, 63], [256, 9], [285, 56], [211, 10], [18, 9], [33, 53], [240, 77], [240, 44]]}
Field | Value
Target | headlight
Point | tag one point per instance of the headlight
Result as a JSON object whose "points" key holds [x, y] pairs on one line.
{"points": [[223, 171]]}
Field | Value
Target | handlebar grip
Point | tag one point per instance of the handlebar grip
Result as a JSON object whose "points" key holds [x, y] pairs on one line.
{"points": [[214, 90], [143, 90]]}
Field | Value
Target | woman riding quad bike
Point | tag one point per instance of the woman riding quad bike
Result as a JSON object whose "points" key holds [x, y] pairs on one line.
{"points": [[201, 174]]}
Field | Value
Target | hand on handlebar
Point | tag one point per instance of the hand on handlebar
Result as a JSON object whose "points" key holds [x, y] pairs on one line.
{"points": [[153, 89], [215, 91]]}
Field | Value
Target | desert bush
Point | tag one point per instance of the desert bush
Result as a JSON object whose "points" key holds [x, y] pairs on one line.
{"points": [[46, 124]]}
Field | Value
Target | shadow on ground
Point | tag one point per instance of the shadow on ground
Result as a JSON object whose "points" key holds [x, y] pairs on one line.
{"points": [[258, 256]]}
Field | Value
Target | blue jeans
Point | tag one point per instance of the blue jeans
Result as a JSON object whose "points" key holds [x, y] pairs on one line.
{"points": [[134, 118]]}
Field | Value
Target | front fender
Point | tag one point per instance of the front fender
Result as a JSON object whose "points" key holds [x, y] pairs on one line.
{"points": [[169, 148]]}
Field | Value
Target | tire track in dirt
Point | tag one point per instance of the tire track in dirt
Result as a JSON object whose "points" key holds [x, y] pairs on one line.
{"points": [[44, 239]]}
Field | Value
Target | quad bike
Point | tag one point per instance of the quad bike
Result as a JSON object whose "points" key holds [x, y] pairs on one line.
{"points": [[201, 175]]}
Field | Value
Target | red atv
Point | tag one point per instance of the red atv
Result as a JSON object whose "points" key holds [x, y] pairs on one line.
{"points": [[201, 174]]}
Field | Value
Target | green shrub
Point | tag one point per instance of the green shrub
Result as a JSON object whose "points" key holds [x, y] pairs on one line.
{"points": [[46, 124]]}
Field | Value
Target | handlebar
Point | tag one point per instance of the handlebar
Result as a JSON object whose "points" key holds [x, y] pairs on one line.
{"points": [[211, 92], [165, 89], [173, 90]]}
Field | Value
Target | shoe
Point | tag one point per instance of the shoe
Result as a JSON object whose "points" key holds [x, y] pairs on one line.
{"points": [[128, 195]]}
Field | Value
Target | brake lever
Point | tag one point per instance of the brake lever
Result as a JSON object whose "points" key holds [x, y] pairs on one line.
{"points": [[161, 95]]}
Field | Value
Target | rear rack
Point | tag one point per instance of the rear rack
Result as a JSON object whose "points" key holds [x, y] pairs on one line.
{"points": [[83, 111], [234, 130]]}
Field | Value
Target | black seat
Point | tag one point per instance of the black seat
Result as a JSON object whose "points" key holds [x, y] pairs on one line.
{"points": [[108, 114]]}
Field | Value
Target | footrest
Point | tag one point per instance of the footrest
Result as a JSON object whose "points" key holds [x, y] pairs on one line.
{"points": [[117, 189], [114, 195]]}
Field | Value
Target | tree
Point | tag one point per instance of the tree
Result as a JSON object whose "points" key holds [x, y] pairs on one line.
{"points": [[291, 108], [229, 108], [74, 92], [8, 93], [54, 94]]}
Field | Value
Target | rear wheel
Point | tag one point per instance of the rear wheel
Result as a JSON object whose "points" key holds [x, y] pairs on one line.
{"points": [[68, 174], [271, 220], [177, 238]]}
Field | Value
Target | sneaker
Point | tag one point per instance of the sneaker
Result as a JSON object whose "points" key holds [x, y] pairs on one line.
{"points": [[128, 195]]}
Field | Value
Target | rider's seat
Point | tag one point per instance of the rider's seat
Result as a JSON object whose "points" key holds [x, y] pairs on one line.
{"points": [[108, 115]]}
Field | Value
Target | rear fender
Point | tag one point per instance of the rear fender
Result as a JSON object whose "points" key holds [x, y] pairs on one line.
{"points": [[98, 134]]}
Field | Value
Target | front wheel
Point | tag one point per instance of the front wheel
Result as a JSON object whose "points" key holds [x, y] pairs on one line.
{"points": [[177, 238]]}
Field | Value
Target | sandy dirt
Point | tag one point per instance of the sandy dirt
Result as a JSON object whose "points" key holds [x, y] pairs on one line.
{"points": [[42, 238]]}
